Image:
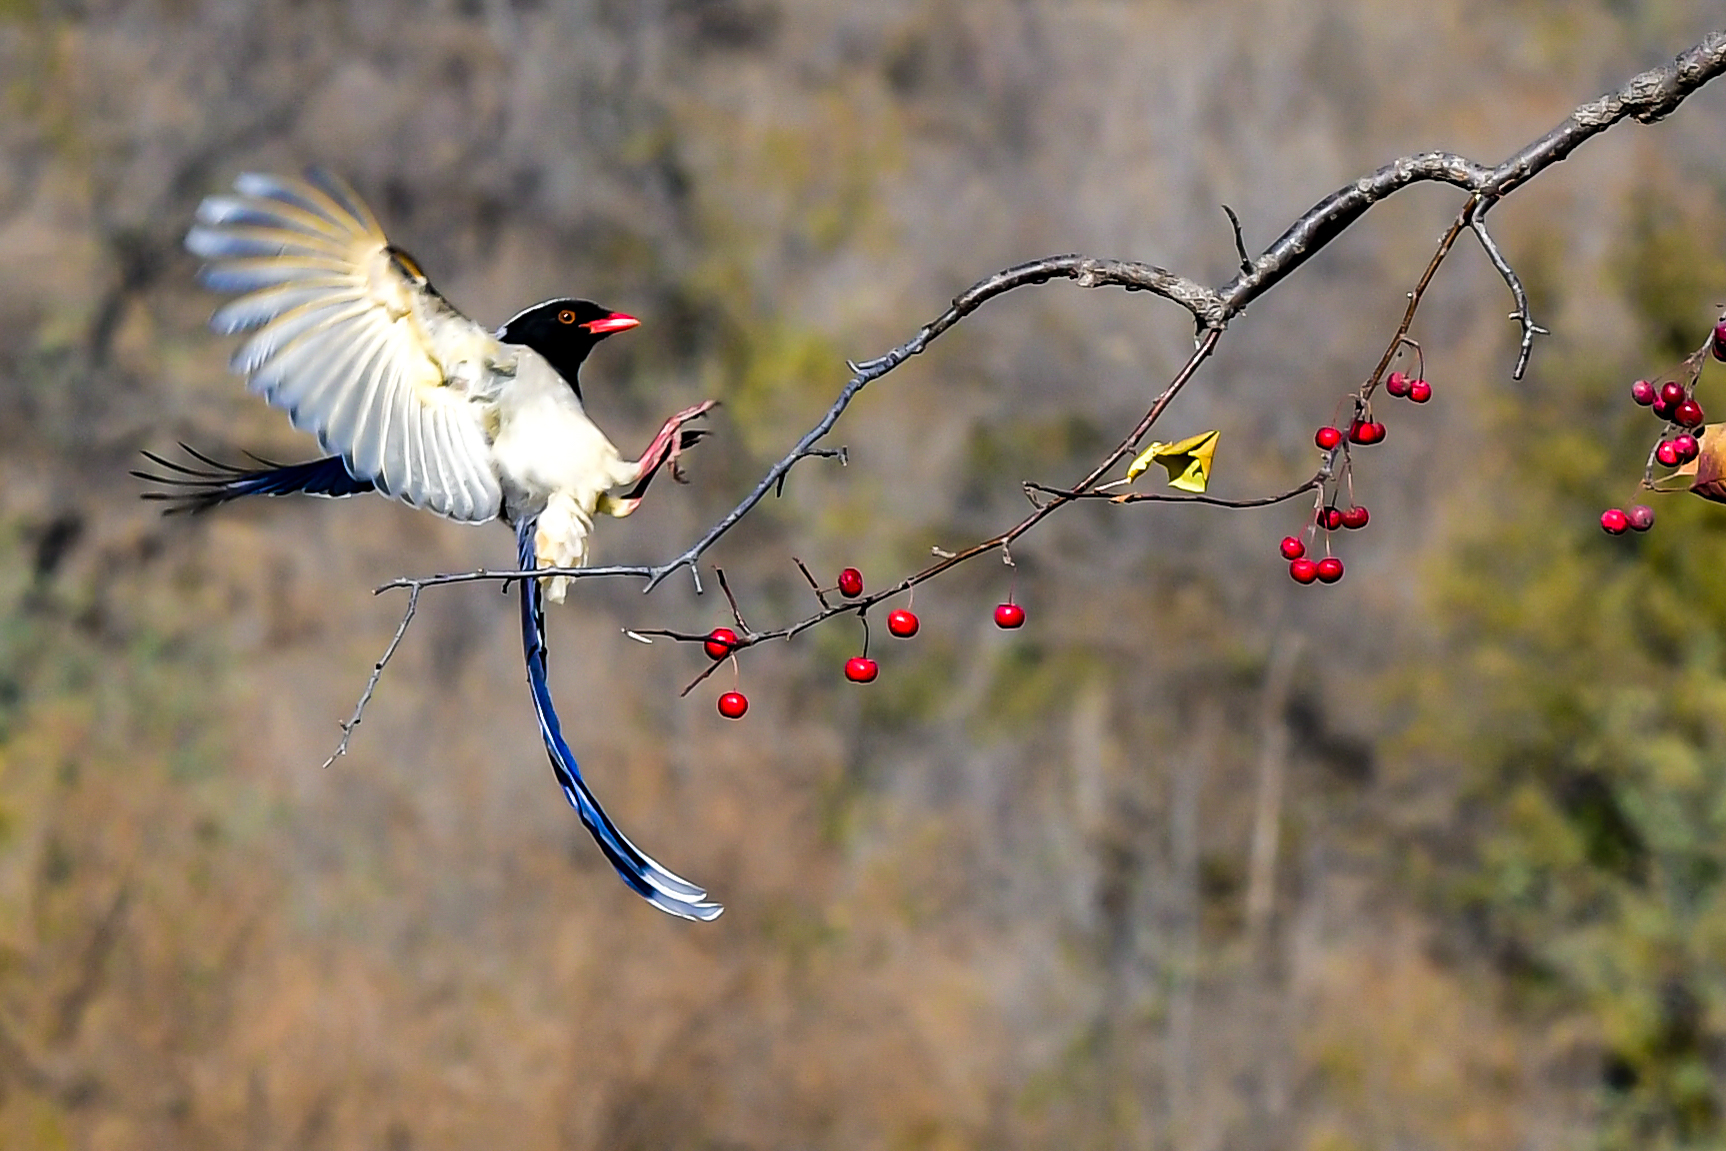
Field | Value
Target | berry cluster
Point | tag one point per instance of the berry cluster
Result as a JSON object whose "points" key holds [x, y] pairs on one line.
{"points": [[1304, 570], [1400, 385], [1674, 403], [1616, 522], [1671, 402], [902, 623], [1332, 515]]}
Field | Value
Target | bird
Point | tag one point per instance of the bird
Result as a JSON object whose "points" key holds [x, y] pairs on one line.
{"points": [[415, 401]]}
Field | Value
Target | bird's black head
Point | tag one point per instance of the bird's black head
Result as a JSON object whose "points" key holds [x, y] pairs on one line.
{"points": [[564, 332]]}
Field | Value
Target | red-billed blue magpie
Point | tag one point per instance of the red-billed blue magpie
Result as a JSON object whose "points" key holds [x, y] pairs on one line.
{"points": [[416, 401]]}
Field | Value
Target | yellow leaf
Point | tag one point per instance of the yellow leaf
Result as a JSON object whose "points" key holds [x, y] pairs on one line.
{"points": [[1189, 461]]}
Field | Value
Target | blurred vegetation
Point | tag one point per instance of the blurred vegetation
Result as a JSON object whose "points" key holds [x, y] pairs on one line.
{"points": [[1585, 687], [1017, 893]]}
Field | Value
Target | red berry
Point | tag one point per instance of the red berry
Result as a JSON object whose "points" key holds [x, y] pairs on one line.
{"points": [[861, 669], [721, 642], [1614, 521], [1293, 549], [1672, 392], [1355, 517], [1689, 414], [1686, 446], [850, 583], [1366, 432], [1396, 384], [732, 705], [902, 623], [1330, 519], [1641, 517], [1668, 454], [1303, 571], [1719, 348], [1643, 392], [1420, 391], [1662, 409], [1009, 615], [1329, 569], [1327, 438]]}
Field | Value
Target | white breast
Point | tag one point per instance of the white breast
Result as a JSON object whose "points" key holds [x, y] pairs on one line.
{"points": [[554, 462], [545, 443]]}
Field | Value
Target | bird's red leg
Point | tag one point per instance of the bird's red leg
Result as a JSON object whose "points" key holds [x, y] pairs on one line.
{"points": [[666, 447]]}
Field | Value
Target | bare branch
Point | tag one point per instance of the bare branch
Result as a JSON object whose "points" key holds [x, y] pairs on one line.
{"points": [[1316, 481], [1646, 98], [1240, 240], [377, 673], [1086, 271], [736, 612], [1400, 337], [948, 560], [510, 575], [1530, 329], [814, 585]]}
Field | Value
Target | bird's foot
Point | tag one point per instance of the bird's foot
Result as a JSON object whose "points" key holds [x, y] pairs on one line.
{"points": [[673, 439], [667, 448]]}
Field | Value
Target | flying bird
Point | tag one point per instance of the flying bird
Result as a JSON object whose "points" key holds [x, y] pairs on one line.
{"points": [[415, 401]]}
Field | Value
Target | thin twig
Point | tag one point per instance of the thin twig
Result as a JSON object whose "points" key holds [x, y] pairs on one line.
{"points": [[999, 542], [377, 673], [1086, 271], [1400, 337], [1169, 498], [1240, 240], [1647, 98], [736, 612], [1530, 329], [814, 585], [698, 680], [841, 453]]}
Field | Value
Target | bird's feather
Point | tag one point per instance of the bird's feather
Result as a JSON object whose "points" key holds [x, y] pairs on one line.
{"points": [[668, 892], [349, 339], [200, 489]]}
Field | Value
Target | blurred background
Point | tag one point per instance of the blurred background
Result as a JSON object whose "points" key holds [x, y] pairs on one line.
{"points": [[1197, 859]]}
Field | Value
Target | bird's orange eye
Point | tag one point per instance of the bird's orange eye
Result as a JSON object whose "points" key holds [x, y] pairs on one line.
{"points": [[566, 317]]}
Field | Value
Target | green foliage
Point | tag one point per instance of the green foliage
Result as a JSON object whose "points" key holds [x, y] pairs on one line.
{"points": [[1671, 268], [1587, 696]]}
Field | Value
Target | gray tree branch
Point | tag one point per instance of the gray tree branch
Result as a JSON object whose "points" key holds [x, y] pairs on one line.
{"points": [[1645, 98]]}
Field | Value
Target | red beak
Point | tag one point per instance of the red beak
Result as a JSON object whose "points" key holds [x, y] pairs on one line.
{"points": [[616, 322]]}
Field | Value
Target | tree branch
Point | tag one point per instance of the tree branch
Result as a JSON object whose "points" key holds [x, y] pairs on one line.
{"points": [[1477, 222], [377, 674], [1646, 98], [1316, 481]]}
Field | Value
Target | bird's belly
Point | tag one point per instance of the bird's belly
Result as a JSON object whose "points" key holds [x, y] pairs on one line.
{"points": [[544, 448], [555, 463]]}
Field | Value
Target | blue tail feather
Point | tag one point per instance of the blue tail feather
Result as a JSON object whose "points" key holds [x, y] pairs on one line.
{"points": [[200, 489], [666, 891]]}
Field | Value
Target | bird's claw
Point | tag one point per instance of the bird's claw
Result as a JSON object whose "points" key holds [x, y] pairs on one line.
{"points": [[666, 449]]}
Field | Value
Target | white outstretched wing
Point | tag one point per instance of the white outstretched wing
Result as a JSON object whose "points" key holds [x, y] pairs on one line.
{"points": [[350, 340]]}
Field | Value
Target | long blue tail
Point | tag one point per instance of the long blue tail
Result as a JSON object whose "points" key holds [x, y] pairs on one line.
{"points": [[200, 489], [670, 893]]}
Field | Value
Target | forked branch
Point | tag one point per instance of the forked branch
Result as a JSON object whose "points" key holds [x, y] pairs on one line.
{"points": [[1646, 98]]}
